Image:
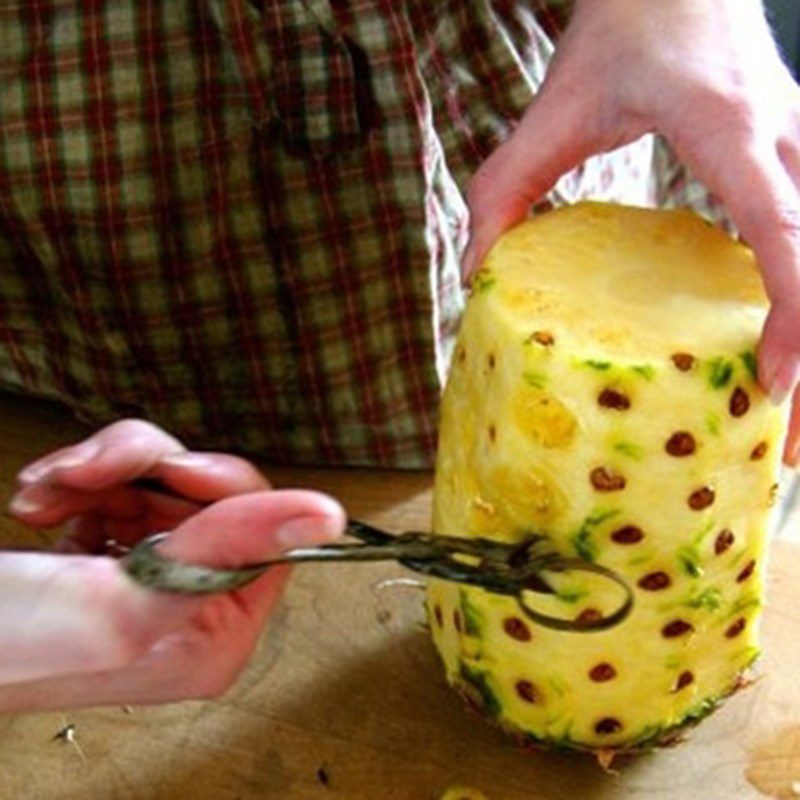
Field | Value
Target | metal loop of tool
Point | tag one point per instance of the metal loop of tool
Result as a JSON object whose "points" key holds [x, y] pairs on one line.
{"points": [[512, 570]]}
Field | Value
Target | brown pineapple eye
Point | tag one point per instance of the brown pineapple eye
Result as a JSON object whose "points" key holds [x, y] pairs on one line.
{"points": [[606, 480], [601, 673], [527, 691], [681, 444], [683, 361], [517, 629], [611, 398], [739, 402], [608, 725]]}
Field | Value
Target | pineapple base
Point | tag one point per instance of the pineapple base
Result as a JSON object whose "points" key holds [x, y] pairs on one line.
{"points": [[475, 700]]}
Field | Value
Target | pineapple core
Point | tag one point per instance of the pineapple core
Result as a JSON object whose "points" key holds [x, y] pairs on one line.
{"points": [[603, 392]]}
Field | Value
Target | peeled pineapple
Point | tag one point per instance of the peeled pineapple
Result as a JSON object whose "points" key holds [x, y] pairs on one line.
{"points": [[603, 392]]}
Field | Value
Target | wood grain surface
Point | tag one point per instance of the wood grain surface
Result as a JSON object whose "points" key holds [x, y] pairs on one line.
{"points": [[345, 699]]}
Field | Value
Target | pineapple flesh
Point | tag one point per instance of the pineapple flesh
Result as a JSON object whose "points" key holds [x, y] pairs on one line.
{"points": [[603, 392]]}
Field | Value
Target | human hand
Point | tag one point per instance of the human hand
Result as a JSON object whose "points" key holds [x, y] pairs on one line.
{"points": [[704, 73], [76, 631]]}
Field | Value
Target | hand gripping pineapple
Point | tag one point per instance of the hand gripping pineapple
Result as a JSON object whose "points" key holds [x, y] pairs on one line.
{"points": [[603, 392]]}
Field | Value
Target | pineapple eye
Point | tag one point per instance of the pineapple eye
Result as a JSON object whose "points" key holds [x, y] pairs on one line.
{"points": [[702, 498], [437, 613], [759, 451], [602, 673], [608, 725], [681, 444], [606, 480], [544, 338], [527, 691], [736, 628], [630, 534], [739, 402], [655, 581], [589, 615], [457, 620], [683, 361], [517, 629], [611, 398], [684, 679], [723, 542], [677, 627], [746, 572]]}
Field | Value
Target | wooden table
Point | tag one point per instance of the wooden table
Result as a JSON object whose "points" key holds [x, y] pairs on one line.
{"points": [[345, 680]]}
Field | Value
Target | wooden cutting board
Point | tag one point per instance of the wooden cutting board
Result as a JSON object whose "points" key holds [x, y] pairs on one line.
{"points": [[345, 699]]}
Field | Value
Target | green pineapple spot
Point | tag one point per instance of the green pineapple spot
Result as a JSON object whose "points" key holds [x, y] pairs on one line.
{"points": [[474, 621], [750, 363], [582, 541], [709, 599], [744, 603], [629, 449], [571, 595], [703, 532], [646, 371], [478, 681], [672, 662], [535, 379], [557, 686], [602, 366], [638, 560], [483, 281], [713, 423], [689, 558], [720, 371]]}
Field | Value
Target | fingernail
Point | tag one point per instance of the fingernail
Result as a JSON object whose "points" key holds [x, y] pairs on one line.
{"points": [[307, 531], [78, 455], [783, 381], [188, 460], [22, 505]]}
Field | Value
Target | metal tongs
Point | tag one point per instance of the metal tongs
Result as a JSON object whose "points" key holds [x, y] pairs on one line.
{"points": [[513, 570]]}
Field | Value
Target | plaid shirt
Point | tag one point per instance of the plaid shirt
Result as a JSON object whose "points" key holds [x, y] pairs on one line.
{"points": [[242, 220]]}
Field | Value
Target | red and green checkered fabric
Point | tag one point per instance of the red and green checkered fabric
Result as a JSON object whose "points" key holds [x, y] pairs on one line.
{"points": [[242, 220]]}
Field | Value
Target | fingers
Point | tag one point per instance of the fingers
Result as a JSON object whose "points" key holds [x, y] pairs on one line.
{"points": [[551, 139], [765, 206], [113, 455], [91, 476], [206, 477]]}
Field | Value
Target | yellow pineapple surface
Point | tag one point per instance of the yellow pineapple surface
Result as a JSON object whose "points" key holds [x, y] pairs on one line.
{"points": [[603, 392]]}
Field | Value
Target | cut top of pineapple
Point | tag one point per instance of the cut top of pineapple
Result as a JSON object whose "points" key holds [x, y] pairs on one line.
{"points": [[607, 279]]}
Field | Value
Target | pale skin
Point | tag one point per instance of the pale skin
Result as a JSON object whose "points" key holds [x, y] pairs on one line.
{"points": [[704, 73], [74, 631]]}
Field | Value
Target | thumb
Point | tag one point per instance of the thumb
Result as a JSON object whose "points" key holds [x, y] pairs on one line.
{"points": [[249, 528]]}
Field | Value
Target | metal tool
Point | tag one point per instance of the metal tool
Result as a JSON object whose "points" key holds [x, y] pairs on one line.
{"points": [[513, 570]]}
